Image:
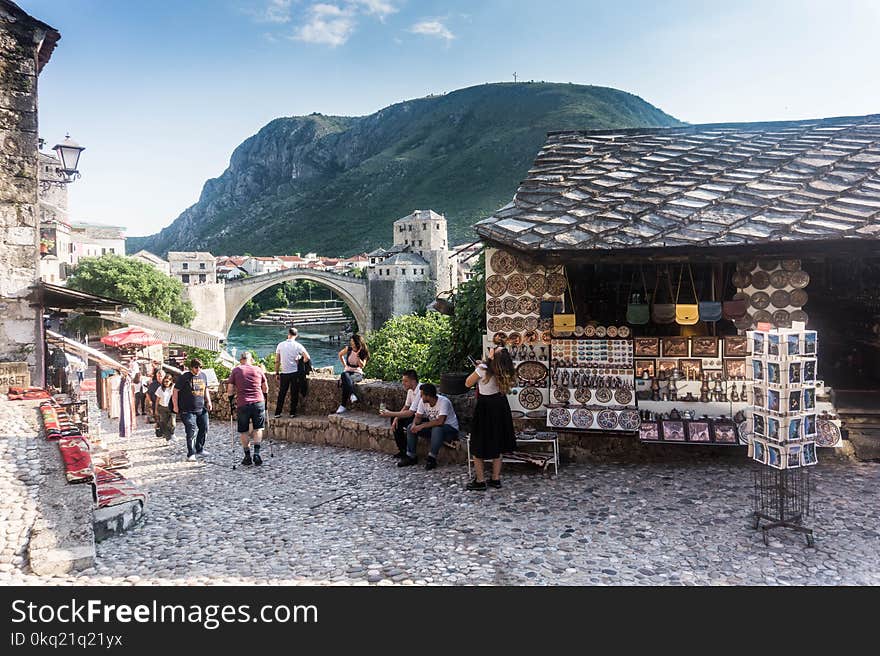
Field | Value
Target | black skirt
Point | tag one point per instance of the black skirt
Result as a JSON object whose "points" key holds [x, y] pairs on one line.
{"points": [[492, 432]]}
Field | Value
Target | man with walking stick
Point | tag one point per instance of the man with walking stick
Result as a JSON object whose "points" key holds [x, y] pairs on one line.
{"points": [[249, 385]]}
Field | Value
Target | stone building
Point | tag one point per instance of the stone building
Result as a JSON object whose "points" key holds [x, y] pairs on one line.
{"points": [[26, 45], [56, 244], [153, 260], [96, 239], [193, 268]]}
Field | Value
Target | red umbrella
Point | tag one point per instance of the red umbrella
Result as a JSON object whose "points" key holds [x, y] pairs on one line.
{"points": [[131, 336]]}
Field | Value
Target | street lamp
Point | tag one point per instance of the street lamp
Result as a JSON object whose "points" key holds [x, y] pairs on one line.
{"points": [[68, 152]]}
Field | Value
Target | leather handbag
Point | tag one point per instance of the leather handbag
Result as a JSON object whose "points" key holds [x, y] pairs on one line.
{"points": [[710, 310], [663, 312], [564, 321], [639, 313], [734, 309], [686, 314]]}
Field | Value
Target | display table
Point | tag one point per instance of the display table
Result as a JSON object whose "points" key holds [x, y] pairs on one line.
{"points": [[544, 463]]}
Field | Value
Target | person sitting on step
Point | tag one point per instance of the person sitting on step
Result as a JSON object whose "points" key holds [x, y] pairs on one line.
{"points": [[436, 420], [354, 358], [404, 417]]}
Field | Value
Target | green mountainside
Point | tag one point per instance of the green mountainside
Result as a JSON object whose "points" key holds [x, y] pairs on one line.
{"points": [[335, 184]]}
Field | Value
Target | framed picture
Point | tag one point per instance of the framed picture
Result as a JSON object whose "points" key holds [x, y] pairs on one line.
{"points": [[724, 432], [810, 371], [810, 342], [773, 345], [774, 457], [809, 425], [793, 459], [773, 373], [674, 347], [666, 367], [759, 451], [673, 430], [759, 346], [649, 431], [794, 343], [760, 398], [704, 347], [759, 425], [698, 431], [736, 368], [773, 400], [736, 347], [646, 365], [794, 429], [647, 347], [691, 369], [773, 428], [794, 372]]}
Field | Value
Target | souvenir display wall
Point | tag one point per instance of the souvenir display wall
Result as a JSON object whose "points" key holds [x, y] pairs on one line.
{"points": [[782, 369], [774, 290]]}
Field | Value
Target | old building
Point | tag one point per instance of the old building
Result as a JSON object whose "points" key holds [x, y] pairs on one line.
{"points": [[193, 268], [26, 45], [96, 239], [153, 260]]}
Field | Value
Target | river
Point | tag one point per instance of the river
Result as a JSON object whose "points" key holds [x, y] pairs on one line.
{"points": [[262, 340]]}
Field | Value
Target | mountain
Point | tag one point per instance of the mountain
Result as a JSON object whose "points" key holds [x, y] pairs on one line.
{"points": [[335, 184]]}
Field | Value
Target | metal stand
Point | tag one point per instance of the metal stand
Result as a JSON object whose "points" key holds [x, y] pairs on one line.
{"points": [[782, 497]]}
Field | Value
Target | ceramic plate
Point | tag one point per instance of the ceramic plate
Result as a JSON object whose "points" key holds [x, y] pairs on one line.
{"points": [[827, 433], [555, 284], [503, 262], [531, 398], [790, 265], [629, 420], [582, 418], [760, 280], [559, 417], [799, 279], [798, 298], [780, 298], [536, 285], [779, 279], [494, 307], [760, 300], [496, 285], [583, 395], [607, 419]]}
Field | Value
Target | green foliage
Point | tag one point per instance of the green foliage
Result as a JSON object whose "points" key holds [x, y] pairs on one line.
{"points": [[409, 342], [462, 153], [468, 322], [137, 283], [210, 360]]}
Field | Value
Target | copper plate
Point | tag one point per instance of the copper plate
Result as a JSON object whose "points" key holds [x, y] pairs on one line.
{"points": [[741, 279], [623, 396], [562, 394], [612, 331], [507, 323], [583, 395], [499, 338], [503, 262], [494, 307], [768, 265], [531, 336], [746, 265], [494, 324], [509, 304], [760, 300], [798, 298], [782, 319], [556, 284], [536, 285], [519, 323], [601, 331], [624, 332], [531, 323], [545, 324], [514, 339], [799, 279], [547, 337], [800, 315], [780, 298], [790, 265], [590, 330], [517, 284], [762, 316], [760, 280], [525, 305], [779, 279], [744, 322], [532, 372], [604, 395], [578, 331], [496, 285], [531, 398]]}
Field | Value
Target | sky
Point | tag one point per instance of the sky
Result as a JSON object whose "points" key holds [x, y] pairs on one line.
{"points": [[160, 93]]}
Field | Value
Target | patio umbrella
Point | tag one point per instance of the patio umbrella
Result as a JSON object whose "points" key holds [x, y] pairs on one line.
{"points": [[131, 336]]}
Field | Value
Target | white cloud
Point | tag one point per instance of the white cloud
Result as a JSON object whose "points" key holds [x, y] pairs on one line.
{"points": [[432, 28], [327, 24], [380, 8], [274, 11]]}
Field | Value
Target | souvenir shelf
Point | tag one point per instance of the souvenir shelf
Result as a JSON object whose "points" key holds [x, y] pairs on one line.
{"points": [[542, 459]]}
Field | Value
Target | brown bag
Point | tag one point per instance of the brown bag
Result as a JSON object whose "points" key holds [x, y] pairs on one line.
{"points": [[686, 314], [734, 309], [663, 312]]}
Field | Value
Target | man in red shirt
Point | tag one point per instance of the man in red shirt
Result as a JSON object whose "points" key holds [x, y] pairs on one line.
{"points": [[248, 383]]}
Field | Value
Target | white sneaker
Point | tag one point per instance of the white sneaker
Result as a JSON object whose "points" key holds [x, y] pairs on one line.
{"points": [[191, 458], [353, 398], [204, 453], [341, 409]]}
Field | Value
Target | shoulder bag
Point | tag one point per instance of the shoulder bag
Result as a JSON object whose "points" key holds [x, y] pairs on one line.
{"points": [[663, 312], [638, 314], [565, 321], [686, 314], [710, 310]]}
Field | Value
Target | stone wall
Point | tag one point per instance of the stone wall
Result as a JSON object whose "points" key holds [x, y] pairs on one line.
{"points": [[209, 301]]}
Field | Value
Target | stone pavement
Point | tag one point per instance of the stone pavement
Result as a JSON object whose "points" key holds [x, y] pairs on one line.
{"points": [[322, 515]]}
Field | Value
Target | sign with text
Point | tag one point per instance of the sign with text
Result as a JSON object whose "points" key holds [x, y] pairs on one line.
{"points": [[14, 374]]}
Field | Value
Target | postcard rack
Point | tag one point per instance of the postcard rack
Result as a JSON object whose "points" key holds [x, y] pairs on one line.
{"points": [[782, 498]]}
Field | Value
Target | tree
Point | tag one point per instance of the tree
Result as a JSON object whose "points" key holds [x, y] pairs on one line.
{"points": [[145, 288], [467, 324], [408, 342]]}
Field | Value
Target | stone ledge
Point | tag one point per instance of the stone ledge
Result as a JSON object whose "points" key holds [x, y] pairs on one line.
{"points": [[114, 520]]}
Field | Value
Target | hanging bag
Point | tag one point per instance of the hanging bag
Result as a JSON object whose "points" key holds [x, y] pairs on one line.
{"points": [[686, 314], [735, 308], [564, 322], [663, 312], [710, 310], [638, 314]]}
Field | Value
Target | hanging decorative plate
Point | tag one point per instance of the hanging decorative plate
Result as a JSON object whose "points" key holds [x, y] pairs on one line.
{"points": [[604, 395], [590, 330], [760, 280], [623, 396], [624, 332], [494, 307], [782, 319], [519, 323], [746, 265], [780, 298], [799, 279], [790, 265], [494, 324], [508, 303], [800, 315], [582, 418], [629, 420], [779, 279], [607, 419], [514, 339], [767, 264], [583, 395], [827, 433], [760, 300], [517, 284], [741, 279], [525, 305], [530, 336], [531, 398], [578, 331], [762, 316], [547, 337], [562, 394], [532, 324], [503, 262], [798, 298], [525, 265], [536, 285], [559, 417], [741, 296], [531, 373], [601, 331], [496, 285], [507, 323], [545, 324], [611, 331], [556, 284], [743, 323]]}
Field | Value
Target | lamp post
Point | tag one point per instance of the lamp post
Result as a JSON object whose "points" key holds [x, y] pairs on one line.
{"points": [[68, 152]]}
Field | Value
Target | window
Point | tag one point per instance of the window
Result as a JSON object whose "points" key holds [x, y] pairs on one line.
{"points": [[410, 227], [424, 226], [202, 277], [201, 265], [401, 229], [113, 251], [422, 271], [420, 242], [185, 278], [406, 241], [414, 272], [402, 272], [438, 226], [103, 251], [185, 266]]}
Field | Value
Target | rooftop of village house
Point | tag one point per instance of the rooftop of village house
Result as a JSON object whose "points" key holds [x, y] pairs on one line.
{"points": [[736, 184]]}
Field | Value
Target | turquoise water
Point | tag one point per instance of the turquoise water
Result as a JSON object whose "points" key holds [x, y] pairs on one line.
{"points": [[262, 340]]}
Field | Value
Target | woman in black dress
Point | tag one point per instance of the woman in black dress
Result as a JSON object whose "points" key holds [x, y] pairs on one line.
{"points": [[492, 433]]}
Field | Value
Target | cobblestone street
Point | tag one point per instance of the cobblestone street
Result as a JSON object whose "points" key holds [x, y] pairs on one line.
{"points": [[319, 515]]}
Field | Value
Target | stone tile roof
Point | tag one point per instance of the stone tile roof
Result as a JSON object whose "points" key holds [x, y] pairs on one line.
{"points": [[406, 258], [702, 185]]}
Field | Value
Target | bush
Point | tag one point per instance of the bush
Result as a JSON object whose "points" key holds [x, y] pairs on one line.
{"points": [[467, 324], [409, 342], [210, 360]]}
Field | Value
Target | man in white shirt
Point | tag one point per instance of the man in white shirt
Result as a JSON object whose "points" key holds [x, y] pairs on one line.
{"points": [[288, 372], [435, 419], [404, 417]]}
